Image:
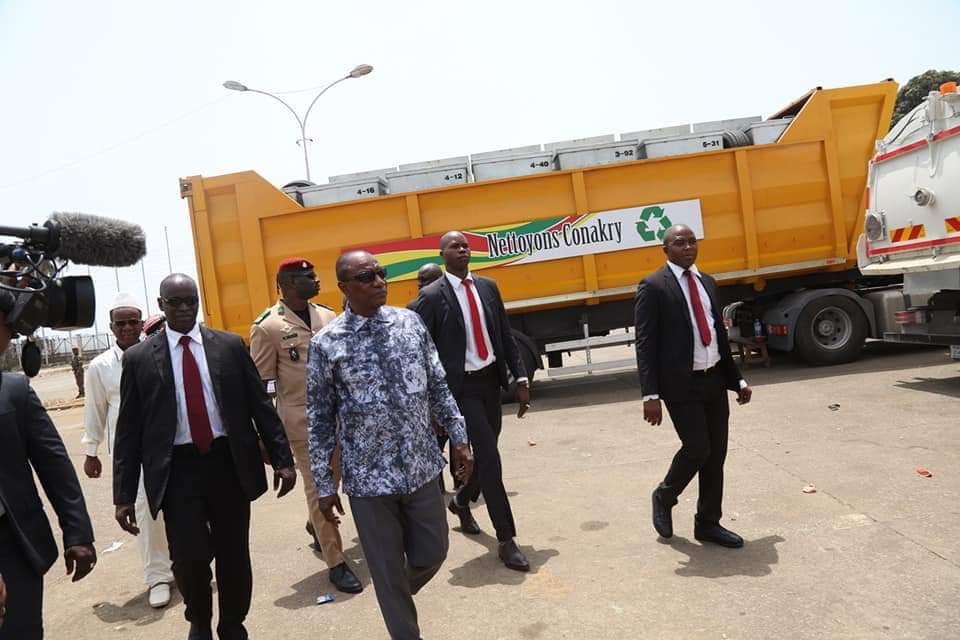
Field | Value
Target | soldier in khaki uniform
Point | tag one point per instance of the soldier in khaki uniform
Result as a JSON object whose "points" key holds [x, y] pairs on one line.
{"points": [[279, 343]]}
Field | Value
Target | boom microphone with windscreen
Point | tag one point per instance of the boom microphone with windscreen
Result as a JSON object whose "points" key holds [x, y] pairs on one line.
{"points": [[97, 241], [83, 239], [31, 270]]}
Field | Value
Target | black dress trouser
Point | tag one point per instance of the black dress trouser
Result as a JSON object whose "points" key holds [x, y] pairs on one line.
{"points": [[207, 516], [479, 402], [24, 619], [701, 421]]}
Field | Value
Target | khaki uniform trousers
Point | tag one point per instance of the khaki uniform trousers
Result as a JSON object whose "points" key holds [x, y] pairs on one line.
{"points": [[328, 533]]}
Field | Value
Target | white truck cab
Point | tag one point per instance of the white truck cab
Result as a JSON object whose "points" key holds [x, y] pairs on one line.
{"points": [[912, 225]]}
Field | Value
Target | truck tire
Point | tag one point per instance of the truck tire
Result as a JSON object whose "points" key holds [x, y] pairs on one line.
{"points": [[831, 330]]}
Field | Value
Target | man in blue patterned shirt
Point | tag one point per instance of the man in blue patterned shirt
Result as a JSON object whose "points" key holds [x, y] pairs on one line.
{"points": [[374, 380]]}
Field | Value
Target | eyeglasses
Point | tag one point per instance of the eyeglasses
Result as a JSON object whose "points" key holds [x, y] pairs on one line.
{"points": [[182, 301], [680, 243], [367, 276], [120, 324]]}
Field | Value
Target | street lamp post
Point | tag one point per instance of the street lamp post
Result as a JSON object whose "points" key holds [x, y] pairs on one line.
{"points": [[356, 72]]}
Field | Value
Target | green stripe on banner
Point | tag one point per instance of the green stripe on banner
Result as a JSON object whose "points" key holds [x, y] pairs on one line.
{"points": [[400, 269]]}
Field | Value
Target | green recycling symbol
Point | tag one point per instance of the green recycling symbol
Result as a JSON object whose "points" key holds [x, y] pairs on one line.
{"points": [[649, 234]]}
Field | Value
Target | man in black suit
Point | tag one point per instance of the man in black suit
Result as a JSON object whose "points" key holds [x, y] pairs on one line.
{"points": [[189, 399], [29, 443], [426, 275], [683, 357], [468, 322]]}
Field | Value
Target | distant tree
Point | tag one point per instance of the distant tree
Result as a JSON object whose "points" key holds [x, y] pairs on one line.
{"points": [[913, 93]]}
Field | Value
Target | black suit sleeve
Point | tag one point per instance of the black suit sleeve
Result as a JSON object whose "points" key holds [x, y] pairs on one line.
{"points": [[426, 309], [506, 337], [646, 318], [128, 441], [264, 415], [53, 467]]}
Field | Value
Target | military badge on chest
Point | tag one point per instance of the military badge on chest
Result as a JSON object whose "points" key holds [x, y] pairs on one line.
{"points": [[289, 343]]}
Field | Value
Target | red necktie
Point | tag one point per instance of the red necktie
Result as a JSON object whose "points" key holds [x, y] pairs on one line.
{"points": [[200, 430], [698, 309], [475, 321]]}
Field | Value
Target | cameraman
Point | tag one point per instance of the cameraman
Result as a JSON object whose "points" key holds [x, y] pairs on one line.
{"points": [[28, 439]]}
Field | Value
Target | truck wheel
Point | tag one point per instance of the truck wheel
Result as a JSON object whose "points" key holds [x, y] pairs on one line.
{"points": [[831, 330]]}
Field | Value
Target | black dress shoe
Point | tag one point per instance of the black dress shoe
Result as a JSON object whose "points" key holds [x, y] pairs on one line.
{"points": [[662, 520], [718, 535], [200, 632], [511, 555], [344, 579], [467, 523]]}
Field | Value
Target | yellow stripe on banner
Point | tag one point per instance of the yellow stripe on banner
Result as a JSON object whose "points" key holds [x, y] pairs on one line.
{"points": [[502, 227], [403, 256]]}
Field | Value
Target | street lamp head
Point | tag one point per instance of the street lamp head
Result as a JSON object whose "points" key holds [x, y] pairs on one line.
{"points": [[361, 70], [233, 85]]}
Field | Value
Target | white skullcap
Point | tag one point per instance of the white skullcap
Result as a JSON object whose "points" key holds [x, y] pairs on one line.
{"points": [[126, 300]]}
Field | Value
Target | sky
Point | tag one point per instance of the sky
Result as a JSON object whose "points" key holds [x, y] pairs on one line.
{"points": [[104, 105]]}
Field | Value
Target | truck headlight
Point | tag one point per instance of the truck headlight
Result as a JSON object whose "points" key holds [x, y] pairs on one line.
{"points": [[874, 226]]}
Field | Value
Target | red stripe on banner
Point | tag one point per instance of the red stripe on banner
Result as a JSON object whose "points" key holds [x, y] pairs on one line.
{"points": [[897, 235], [883, 157], [912, 247], [954, 222], [916, 231]]}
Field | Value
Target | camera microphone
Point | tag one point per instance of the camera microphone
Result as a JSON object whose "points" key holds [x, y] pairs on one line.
{"points": [[96, 241], [83, 239]]}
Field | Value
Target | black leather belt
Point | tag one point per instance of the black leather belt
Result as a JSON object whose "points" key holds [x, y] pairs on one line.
{"points": [[705, 372], [189, 450], [480, 372]]}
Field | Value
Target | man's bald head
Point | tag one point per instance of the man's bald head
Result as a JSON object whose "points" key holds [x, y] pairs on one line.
{"points": [[176, 281], [680, 245], [428, 273], [672, 232], [449, 237], [363, 281], [179, 301], [455, 251], [348, 262]]}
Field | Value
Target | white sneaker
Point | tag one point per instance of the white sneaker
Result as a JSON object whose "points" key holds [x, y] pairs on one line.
{"points": [[159, 595]]}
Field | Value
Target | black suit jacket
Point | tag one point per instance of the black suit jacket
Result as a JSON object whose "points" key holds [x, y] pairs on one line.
{"points": [[664, 334], [437, 305], [28, 439], [147, 422]]}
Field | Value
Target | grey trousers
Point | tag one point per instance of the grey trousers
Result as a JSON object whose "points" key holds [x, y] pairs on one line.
{"points": [[405, 540]]}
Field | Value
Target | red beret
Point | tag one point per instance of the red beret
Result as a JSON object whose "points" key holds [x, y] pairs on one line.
{"points": [[152, 324], [295, 264]]}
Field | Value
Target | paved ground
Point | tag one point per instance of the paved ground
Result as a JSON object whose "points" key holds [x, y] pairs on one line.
{"points": [[872, 554]]}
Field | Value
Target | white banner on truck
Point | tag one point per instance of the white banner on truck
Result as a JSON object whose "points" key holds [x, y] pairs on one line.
{"points": [[579, 235]]}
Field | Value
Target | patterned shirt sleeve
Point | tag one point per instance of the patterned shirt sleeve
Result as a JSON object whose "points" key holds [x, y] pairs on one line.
{"points": [[443, 407], [321, 417]]}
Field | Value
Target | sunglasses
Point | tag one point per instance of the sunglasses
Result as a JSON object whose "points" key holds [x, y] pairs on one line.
{"points": [[367, 276], [185, 301], [126, 323]]}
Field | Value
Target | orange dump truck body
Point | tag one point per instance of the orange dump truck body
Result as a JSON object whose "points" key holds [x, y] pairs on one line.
{"points": [[764, 211]]}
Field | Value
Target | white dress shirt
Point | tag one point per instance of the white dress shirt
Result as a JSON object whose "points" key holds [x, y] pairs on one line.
{"points": [[473, 361], [176, 360], [102, 403], [704, 357]]}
